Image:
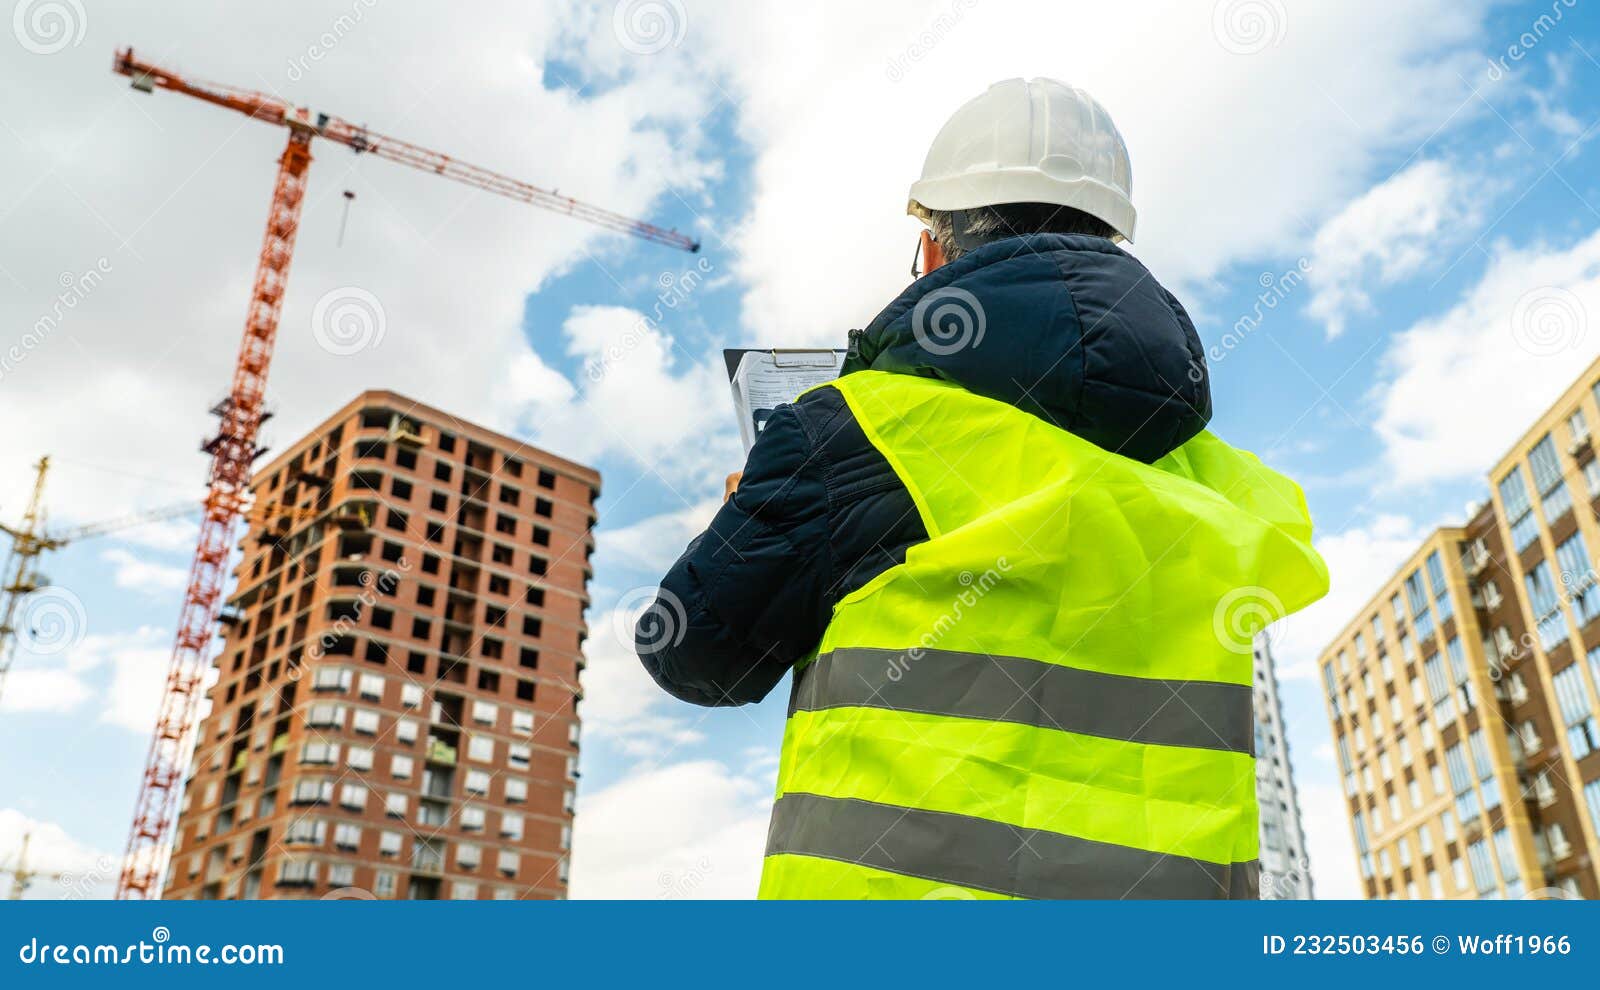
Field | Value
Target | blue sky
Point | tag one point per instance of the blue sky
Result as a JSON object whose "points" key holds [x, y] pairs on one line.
{"points": [[1426, 174]]}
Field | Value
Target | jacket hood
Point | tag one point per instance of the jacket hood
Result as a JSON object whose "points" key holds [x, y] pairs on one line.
{"points": [[1070, 328]]}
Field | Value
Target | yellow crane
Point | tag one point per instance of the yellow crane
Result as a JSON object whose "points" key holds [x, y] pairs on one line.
{"points": [[31, 539]]}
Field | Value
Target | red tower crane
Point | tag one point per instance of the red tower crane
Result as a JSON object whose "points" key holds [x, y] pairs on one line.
{"points": [[233, 448]]}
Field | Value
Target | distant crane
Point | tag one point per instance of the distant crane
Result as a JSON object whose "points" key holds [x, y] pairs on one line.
{"points": [[31, 539], [233, 449], [21, 876]]}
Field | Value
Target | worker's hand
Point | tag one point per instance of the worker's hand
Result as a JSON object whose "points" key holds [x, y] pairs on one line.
{"points": [[731, 485]]}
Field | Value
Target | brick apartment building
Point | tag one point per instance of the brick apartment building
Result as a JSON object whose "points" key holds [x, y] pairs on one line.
{"points": [[395, 713], [1464, 695]]}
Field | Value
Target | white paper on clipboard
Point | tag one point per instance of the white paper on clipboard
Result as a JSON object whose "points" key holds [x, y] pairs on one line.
{"points": [[763, 379]]}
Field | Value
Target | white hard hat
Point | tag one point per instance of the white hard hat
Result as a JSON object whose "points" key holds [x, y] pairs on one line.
{"points": [[1029, 141]]}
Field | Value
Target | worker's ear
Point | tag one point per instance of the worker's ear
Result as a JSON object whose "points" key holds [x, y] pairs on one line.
{"points": [[932, 254]]}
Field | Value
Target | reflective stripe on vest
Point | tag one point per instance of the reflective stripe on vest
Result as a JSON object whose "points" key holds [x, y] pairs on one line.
{"points": [[1051, 696], [963, 851], [1014, 689]]}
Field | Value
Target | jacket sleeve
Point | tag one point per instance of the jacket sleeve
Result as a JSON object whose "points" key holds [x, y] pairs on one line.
{"points": [[748, 597]]}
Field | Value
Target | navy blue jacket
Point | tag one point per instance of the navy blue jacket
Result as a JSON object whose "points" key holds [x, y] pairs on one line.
{"points": [[1069, 328]]}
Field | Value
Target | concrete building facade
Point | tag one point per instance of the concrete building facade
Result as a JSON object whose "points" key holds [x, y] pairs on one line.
{"points": [[1285, 865], [395, 713], [1464, 695]]}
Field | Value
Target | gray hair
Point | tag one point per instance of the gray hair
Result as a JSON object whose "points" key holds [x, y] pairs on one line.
{"points": [[991, 223]]}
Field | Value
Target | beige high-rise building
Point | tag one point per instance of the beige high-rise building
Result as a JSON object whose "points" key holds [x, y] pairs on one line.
{"points": [[395, 712], [1464, 695]]}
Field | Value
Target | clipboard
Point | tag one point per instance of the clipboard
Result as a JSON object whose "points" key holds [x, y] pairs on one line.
{"points": [[763, 378]]}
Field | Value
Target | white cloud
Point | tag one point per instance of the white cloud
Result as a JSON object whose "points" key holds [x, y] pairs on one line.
{"points": [[66, 867], [689, 830], [1459, 388], [1388, 234], [839, 120], [653, 544], [138, 663], [28, 689], [642, 398], [145, 576]]}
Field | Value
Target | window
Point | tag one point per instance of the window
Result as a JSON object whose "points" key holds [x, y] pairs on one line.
{"points": [[509, 495], [441, 471], [353, 796], [311, 790], [541, 536], [304, 832], [547, 479], [365, 722], [402, 766], [508, 861], [467, 856], [472, 818], [1514, 495], [1548, 617], [1554, 498], [1461, 782], [347, 836], [522, 722], [1482, 869], [477, 782], [297, 873], [1583, 735], [1417, 598], [519, 755], [1478, 743], [372, 687], [1578, 578], [397, 521], [400, 489], [1441, 590], [341, 874], [1577, 426], [510, 825], [480, 749], [395, 803], [1591, 797], [317, 752], [1507, 859], [360, 758], [405, 730], [516, 789], [485, 712], [543, 507], [383, 883], [330, 679], [389, 843], [411, 695]]}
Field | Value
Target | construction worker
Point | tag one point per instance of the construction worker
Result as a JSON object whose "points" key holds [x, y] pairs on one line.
{"points": [[1014, 576]]}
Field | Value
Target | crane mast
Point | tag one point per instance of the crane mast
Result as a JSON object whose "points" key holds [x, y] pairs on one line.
{"points": [[233, 449]]}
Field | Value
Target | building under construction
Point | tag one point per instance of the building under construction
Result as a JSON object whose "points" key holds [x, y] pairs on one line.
{"points": [[396, 706]]}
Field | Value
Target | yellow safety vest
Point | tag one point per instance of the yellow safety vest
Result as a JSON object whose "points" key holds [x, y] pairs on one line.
{"points": [[1051, 697]]}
